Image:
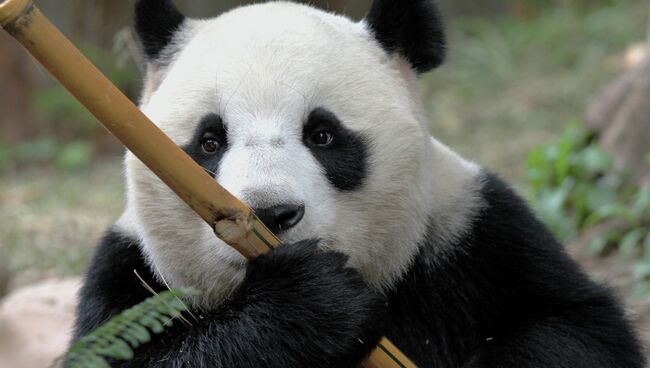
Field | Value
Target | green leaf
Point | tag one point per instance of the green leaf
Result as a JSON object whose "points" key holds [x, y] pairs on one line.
{"points": [[646, 246], [629, 244], [118, 337], [642, 201], [131, 338], [118, 350], [605, 212], [563, 160], [641, 289], [642, 270], [597, 196], [597, 245], [74, 156], [140, 333], [152, 324], [595, 160], [5, 156], [94, 361], [36, 151], [536, 168]]}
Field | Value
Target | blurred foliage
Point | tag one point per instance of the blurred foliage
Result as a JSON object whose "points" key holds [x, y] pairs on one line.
{"points": [[517, 81], [517, 7], [72, 128], [561, 38], [56, 105], [45, 151], [578, 192], [74, 155], [50, 219], [4, 157]]}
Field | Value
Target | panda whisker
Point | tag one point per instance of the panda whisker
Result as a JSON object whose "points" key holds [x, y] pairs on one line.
{"points": [[302, 94], [241, 81], [169, 288], [210, 172], [153, 292], [144, 283], [217, 96]]}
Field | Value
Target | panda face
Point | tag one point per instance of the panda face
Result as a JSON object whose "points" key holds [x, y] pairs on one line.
{"points": [[303, 116]]}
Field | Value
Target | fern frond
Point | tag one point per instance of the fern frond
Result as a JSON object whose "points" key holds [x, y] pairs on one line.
{"points": [[122, 334]]}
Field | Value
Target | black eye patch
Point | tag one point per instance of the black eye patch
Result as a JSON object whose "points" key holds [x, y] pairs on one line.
{"points": [[341, 152], [209, 143]]}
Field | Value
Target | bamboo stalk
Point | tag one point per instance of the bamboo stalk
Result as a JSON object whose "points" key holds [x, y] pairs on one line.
{"points": [[231, 220]]}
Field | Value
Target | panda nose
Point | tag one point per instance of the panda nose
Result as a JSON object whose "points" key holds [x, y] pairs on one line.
{"points": [[281, 217]]}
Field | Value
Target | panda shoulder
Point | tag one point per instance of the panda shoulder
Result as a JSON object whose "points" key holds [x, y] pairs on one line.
{"points": [[112, 282]]}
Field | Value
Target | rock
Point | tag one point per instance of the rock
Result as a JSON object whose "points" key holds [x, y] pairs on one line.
{"points": [[36, 323]]}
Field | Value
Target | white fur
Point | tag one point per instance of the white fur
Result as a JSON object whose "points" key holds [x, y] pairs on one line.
{"points": [[263, 68]]}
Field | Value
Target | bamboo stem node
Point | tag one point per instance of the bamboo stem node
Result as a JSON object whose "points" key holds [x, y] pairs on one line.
{"points": [[13, 11], [235, 230]]}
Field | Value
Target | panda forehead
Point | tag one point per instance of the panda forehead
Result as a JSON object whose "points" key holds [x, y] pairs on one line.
{"points": [[273, 62], [280, 22], [275, 33], [274, 42]]}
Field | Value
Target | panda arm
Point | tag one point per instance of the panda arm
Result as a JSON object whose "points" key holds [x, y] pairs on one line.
{"points": [[110, 284], [592, 336], [553, 314], [506, 295], [296, 307]]}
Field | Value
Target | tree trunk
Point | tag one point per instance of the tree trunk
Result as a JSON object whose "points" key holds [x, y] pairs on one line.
{"points": [[621, 116], [17, 85]]}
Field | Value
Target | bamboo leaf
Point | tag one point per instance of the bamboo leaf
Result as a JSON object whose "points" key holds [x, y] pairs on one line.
{"points": [[126, 331], [118, 350]]}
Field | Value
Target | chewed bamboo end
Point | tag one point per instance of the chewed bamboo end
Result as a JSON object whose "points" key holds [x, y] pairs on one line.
{"points": [[12, 10], [234, 230]]}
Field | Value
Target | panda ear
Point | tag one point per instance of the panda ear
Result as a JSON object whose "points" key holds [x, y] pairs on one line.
{"points": [[156, 22], [412, 28]]}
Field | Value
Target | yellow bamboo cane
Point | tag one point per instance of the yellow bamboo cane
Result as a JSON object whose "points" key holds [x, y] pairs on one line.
{"points": [[231, 220]]}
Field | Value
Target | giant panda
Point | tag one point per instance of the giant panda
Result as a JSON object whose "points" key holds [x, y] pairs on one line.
{"points": [[315, 121]]}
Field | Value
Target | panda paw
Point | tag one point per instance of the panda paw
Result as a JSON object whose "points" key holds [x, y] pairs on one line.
{"points": [[325, 308]]}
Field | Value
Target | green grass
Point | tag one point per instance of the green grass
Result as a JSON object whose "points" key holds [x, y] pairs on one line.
{"points": [[50, 220], [513, 83]]}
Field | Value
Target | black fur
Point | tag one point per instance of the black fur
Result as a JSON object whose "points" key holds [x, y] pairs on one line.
{"points": [[110, 285], [412, 28], [345, 161], [298, 307], [212, 127], [156, 23], [507, 296]]}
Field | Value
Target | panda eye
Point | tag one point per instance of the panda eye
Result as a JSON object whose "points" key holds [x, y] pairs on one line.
{"points": [[210, 146], [321, 138]]}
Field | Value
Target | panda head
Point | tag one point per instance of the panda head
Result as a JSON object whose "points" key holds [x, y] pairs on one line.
{"points": [[311, 119]]}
